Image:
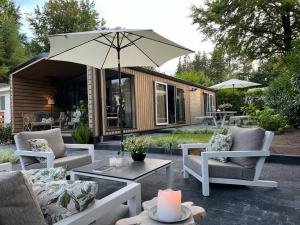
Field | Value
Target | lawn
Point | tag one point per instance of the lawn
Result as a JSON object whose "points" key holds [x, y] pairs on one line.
{"points": [[164, 140]]}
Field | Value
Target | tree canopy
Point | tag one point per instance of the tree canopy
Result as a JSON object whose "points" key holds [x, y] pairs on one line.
{"points": [[62, 16], [257, 28], [12, 50]]}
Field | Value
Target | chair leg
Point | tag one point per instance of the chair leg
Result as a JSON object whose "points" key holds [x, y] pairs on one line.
{"points": [[205, 176], [185, 174], [205, 188]]}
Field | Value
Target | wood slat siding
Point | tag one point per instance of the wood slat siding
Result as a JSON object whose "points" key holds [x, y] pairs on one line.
{"points": [[144, 102], [196, 107], [28, 96]]}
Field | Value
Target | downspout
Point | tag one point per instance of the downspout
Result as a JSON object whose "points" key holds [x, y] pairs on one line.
{"points": [[99, 73]]}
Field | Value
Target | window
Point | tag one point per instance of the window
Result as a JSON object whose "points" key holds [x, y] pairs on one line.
{"points": [[208, 103], [161, 103], [180, 106], [2, 102], [113, 100]]}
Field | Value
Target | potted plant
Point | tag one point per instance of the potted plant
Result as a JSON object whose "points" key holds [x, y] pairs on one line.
{"points": [[136, 147], [225, 106], [7, 158], [82, 134]]}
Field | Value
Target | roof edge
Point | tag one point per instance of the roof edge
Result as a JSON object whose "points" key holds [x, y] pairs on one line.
{"points": [[44, 55], [33, 60]]}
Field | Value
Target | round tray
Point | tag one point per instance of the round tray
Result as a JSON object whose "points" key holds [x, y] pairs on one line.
{"points": [[185, 214]]}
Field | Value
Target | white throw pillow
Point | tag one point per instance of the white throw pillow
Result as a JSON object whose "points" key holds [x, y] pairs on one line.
{"points": [[39, 145], [218, 143], [45, 175], [61, 199]]}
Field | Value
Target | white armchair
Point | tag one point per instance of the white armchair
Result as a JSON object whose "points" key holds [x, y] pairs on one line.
{"points": [[108, 205], [59, 157], [207, 170]]}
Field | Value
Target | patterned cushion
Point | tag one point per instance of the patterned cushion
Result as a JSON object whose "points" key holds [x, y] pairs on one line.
{"points": [[218, 143], [61, 199], [45, 175], [39, 145]]}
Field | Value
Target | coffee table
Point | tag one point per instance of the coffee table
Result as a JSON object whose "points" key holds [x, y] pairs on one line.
{"points": [[130, 173]]}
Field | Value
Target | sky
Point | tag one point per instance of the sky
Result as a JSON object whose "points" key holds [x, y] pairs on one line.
{"points": [[169, 18]]}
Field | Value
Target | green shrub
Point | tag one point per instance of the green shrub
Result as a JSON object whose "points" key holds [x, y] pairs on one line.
{"points": [[255, 97], [236, 99], [136, 145], [82, 134], [281, 97], [207, 130], [8, 155], [5, 134], [168, 142], [272, 121]]}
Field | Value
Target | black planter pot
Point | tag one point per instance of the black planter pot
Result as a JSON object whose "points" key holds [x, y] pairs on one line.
{"points": [[138, 157]]}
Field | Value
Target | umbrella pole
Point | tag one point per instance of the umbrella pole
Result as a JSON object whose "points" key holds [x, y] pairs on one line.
{"points": [[120, 95]]}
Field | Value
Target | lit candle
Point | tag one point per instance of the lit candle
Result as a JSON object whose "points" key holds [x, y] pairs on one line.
{"points": [[169, 205]]}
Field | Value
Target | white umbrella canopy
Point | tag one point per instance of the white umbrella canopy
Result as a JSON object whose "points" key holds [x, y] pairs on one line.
{"points": [[234, 83], [100, 48], [113, 48]]}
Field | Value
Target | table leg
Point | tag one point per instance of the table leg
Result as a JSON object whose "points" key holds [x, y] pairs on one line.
{"points": [[215, 121], [223, 120], [170, 175]]}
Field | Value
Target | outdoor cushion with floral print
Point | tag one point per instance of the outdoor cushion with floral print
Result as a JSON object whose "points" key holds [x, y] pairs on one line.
{"points": [[61, 199], [39, 145], [45, 175], [218, 143]]}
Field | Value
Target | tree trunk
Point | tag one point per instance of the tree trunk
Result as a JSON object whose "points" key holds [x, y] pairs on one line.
{"points": [[287, 30]]}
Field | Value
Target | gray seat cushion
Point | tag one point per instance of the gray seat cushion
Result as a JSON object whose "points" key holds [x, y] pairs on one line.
{"points": [[219, 169], [53, 136], [71, 162], [246, 139], [18, 204]]}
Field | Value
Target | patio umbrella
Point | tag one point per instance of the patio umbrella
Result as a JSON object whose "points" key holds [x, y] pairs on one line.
{"points": [[234, 83], [113, 48]]}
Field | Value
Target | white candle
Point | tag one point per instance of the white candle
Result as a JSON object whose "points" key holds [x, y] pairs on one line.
{"points": [[112, 161], [169, 205], [119, 162]]}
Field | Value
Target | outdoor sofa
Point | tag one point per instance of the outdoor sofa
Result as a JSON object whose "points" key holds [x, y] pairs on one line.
{"points": [[246, 159], [20, 206], [60, 156]]}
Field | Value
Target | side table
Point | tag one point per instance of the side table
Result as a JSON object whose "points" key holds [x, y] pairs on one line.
{"points": [[143, 219]]}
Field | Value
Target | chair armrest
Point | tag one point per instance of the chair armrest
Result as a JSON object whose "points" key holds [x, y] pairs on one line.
{"points": [[107, 205], [257, 153], [48, 155], [89, 147], [185, 147]]}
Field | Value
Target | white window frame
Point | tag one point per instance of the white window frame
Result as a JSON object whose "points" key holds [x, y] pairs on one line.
{"points": [[167, 110]]}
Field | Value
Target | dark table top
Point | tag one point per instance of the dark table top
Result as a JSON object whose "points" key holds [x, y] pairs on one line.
{"points": [[131, 171]]}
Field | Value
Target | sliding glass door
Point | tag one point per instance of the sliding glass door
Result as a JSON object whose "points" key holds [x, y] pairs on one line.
{"points": [[172, 104], [161, 104], [180, 106], [113, 101], [169, 104]]}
